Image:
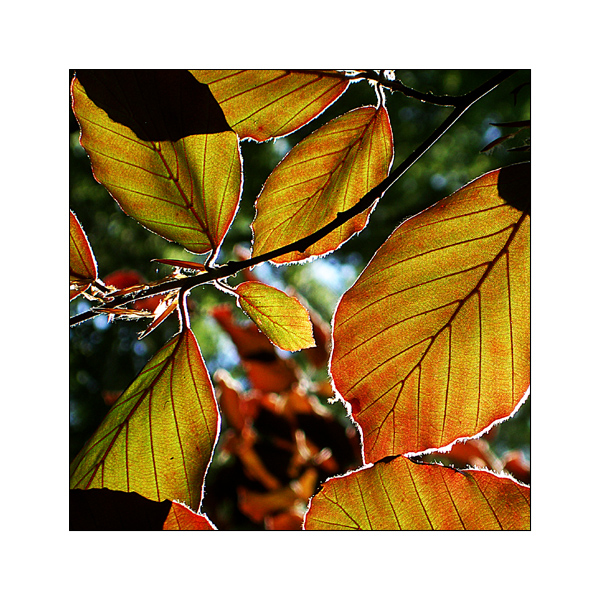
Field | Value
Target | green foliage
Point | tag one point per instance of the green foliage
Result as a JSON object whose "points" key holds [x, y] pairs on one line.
{"points": [[198, 179]]}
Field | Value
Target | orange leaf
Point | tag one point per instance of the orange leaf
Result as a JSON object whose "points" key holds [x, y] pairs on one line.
{"points": [[82, 264], [263, 104], [186, 189], [128, 280], [516, 464], [399, 494], [181, 518], [182, 264], [158, 438], [431, 343], [326, 173], [167, 305]]}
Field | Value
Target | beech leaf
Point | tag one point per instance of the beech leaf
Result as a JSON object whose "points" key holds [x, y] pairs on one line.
{"points": [[263, 104], [280, 317], [82, 263], [186, 190], [158, 437], [326, 173], [398, 494], [431, 343]]}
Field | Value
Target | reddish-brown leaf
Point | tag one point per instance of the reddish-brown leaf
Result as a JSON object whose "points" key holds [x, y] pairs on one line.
{"points": [[399, 494], [181, 518], [431, 343], [326, 173], [266, 370], [127, 280], [263, 104], [165, 308]]}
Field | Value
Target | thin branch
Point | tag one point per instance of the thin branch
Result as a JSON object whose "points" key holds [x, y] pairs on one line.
{"points": [[395, 85], [233, 267]]}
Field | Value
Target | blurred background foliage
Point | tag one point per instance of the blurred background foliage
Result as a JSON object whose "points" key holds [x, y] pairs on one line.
{"points": [[105, 357]]}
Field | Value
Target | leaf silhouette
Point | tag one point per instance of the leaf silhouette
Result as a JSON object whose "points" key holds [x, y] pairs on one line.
{"points": [[82, 264], [186, 190], [399, 494], [158, 438], [156, 104], [326, 173], [280, 317], [110, 510], [431, 343], [263, 104]]}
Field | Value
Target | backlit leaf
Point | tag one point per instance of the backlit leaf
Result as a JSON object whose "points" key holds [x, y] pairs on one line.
{"points": [[399, 494], [181, 518], [326, 173], [431, 343], [186, 190], [158, 438], [262, 104], [82, 264], [280, 317]]}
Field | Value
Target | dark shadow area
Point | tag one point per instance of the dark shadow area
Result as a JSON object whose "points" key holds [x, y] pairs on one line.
{"points": [[108, 510], [156, 104], [514, 186]]}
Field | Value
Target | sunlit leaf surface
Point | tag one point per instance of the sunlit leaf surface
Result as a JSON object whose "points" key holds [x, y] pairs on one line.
{"points": [[262, 104], [181, 518], [280, 317], [399, 494], [186, 190], [326, 173], [82, 264], [158, 438], [432, 341]]}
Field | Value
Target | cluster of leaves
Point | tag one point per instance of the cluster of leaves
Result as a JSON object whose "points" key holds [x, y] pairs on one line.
{"points": [[430, 345]]}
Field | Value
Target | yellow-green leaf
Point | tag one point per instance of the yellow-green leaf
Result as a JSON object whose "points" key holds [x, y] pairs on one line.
{"points": [[326, 173], [280, 317], [398, 494], [431, 343], [186, 190], [82, 263], [263, 104], [158, 438]]}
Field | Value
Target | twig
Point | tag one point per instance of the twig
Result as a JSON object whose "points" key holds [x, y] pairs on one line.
{"points": [[233, 267]]}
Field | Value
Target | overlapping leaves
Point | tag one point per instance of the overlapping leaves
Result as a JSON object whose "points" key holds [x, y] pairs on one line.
{"points": [[185, 187], [430, 345], [263, 104], [326, 173], [158, 438], [399, 494], [432, 342]]}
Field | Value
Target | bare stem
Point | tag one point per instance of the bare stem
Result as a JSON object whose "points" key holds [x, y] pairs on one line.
{"points": [[462, 103]]}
